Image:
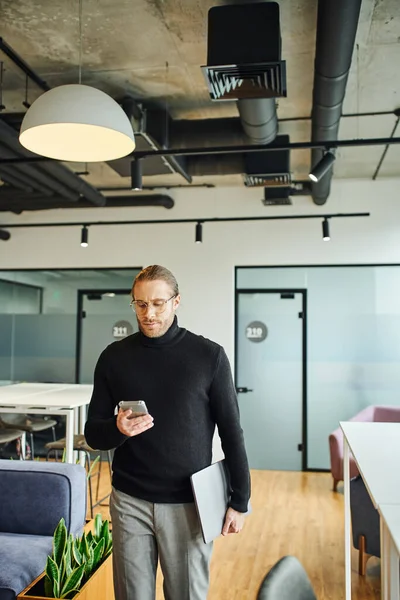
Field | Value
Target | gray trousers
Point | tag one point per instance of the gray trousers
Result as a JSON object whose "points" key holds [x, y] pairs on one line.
{"points": [[143, 533]]}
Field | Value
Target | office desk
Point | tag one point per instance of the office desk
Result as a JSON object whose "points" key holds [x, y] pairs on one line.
{"points": [[390, 522], [376, 450], [69, 400]]}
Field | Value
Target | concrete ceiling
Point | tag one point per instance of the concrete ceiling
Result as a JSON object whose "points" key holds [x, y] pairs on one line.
{"points": [[153, 50]]}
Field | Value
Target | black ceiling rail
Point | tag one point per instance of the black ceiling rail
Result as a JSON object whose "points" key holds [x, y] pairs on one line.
{"points": [[344, 116], [232, 149], [382, 158], [21, 64], [194, 220], [128, 188]]}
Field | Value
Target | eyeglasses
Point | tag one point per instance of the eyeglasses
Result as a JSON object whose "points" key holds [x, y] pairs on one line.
{"points": [[159, 305]]}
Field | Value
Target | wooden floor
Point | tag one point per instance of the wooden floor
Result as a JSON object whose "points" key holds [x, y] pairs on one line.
{"points": [[293, 513]]}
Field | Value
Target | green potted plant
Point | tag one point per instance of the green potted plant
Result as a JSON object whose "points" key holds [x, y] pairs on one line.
{"points": [[78, 568]]}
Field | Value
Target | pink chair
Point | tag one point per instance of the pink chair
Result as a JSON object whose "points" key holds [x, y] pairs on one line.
{"points": [[377, 414]]}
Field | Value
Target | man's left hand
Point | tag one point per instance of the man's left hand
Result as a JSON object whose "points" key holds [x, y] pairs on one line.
{"points": [[234, 522]]}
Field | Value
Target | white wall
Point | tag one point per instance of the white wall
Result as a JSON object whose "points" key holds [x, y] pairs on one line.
{"points": [[205, 271]]}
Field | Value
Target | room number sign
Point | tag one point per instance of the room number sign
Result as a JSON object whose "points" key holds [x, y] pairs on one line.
{"points": [[121, 329], [256, 331]]}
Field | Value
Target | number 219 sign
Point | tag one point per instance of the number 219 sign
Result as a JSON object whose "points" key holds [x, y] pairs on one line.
{"points": [[256, 331]]}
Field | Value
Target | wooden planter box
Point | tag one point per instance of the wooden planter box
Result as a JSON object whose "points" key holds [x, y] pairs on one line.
{"points": [[99, 587]]}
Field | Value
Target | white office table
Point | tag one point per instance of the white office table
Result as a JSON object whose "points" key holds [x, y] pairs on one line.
{"points": [[376, 450], [390, 522], [69, 400]]}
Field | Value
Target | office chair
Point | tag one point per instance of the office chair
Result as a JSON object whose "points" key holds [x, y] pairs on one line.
{"points": [[30, 425], [8, 435], [365, 523], [287, 580]]}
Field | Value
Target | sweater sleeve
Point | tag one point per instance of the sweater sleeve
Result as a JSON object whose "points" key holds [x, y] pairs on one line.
{"points": [[225, 410], [101, 431]]}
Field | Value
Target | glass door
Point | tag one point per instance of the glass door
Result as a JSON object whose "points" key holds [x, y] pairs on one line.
{"points": [[104, 317], [270, 377]]}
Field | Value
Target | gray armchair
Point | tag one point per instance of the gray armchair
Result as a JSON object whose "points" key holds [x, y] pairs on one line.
{"points": [[287, 580], [34, 497], [364, 523]]}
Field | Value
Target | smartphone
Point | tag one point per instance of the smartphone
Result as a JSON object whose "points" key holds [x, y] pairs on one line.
{"points": [[138, 407]]}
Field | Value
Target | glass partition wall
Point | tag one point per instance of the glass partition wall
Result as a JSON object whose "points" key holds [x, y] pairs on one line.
{"points": [[352, 343], [40, 324]]}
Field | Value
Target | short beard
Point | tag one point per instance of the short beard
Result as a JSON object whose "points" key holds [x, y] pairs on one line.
{"points": [[160, 332]]}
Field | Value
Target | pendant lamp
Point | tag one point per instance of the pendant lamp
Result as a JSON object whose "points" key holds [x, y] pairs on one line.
{"points": [[77, 123]]}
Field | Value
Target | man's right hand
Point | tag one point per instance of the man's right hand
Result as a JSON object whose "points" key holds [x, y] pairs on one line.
{"points": [[135, 426]]}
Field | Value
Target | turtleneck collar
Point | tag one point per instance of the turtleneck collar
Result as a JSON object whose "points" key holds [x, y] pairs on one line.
{"points": [[172, 336]]}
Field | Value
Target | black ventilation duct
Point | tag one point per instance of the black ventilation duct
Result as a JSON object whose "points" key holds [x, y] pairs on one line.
{"points": [[244, 63], [270, 169], [277, 196], [244, 52], [152, 132], [336, 33]]}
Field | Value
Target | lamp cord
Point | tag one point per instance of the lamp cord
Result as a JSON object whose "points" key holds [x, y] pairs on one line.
{"points": [[80, 43]]}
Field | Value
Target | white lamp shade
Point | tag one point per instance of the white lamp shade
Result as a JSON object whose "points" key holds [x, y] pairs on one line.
{"points": [[77, 123]]}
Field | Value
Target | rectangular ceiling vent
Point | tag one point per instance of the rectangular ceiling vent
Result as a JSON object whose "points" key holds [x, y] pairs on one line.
{"points": [[271, 180], [270, 168], [244, 52], [277, 196]]}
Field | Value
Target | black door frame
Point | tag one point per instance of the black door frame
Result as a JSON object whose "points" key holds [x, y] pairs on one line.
{"points": [[80, 317], [303, 292]]}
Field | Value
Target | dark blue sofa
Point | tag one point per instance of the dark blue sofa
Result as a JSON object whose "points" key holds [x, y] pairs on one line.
{"points": [[33, 498]]}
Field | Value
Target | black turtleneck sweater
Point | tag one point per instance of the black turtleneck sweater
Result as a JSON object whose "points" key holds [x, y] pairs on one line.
{"points": [[186, 382]]}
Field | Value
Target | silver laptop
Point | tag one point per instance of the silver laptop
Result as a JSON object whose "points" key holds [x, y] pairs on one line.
{"points": [[211, 491]]}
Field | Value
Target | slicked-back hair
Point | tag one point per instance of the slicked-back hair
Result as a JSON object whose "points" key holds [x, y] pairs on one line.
{"points": [[156, 272]]}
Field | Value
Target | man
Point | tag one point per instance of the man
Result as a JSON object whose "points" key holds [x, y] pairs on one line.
{"points": [[186, 383]]}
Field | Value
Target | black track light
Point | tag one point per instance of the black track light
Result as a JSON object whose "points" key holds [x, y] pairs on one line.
{"points": [[322, 167], [4, 235], [325, 230], [199, 233], [136, 174], [84, 237]]}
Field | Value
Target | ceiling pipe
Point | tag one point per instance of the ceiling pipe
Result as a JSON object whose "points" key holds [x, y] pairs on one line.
{"points": [[21, 64], [259, 119], [17, 202], [258, 116], [11, 148], [336, 33], [162, 200], [7, 175], [30, 177], [52, 174], [77, 184]]}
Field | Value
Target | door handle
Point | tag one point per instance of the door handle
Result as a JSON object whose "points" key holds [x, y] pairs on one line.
{"points": [[243, 390]]}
